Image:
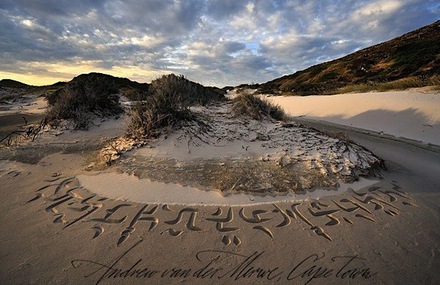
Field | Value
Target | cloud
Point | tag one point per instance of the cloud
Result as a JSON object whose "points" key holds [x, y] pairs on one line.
{"points": [[232, 47], [217, 42], [221, 9]]}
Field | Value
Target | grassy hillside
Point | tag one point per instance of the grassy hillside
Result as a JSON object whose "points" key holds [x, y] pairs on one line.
{"points": [[410, 60]]}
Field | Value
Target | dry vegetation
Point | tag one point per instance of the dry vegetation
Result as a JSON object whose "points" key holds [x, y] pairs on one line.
{"points": [[256, 108], [412, 60], [401, 84], [27, 132], [83, 99], [168, 105]]}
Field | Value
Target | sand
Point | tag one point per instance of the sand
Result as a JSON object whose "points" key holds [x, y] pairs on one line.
{"points": [[130, 188], [404, 114], [63, 224]]}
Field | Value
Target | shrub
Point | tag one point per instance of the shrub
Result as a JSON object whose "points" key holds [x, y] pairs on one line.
{"points": [[168, 105], [82, 99], [186, 91], [158, 112], [133, 94], [256, 108]]}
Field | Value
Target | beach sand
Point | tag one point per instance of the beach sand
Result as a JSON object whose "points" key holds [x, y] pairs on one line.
{"points": [[65, 224]]}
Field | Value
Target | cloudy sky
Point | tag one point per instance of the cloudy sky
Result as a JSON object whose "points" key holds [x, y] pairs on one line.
{"points": [[214, 42]]}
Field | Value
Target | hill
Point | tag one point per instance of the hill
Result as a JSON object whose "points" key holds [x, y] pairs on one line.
{"points": [[9, 83], [125, 86], [119, 82], [413, 58]]}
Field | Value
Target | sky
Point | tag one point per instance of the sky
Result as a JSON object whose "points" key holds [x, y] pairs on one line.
{"points": [[212, 42]]}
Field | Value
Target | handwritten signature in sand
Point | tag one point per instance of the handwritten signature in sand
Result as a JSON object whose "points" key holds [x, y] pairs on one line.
{"points": [[234, 267]]}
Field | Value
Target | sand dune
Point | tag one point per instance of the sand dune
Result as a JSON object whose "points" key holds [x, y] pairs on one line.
{"points": [[64, 224], [409, 114]]}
